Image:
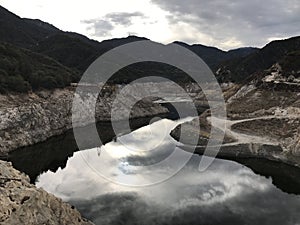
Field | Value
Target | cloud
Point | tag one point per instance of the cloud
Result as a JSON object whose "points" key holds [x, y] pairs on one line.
{"points": [[132, 208], [102, 27], [232, 23], [123, 18]]}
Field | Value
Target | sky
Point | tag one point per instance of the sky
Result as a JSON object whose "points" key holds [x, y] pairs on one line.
{"points": [[225, 24]]}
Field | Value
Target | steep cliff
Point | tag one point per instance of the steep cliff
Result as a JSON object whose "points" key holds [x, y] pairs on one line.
{"points": [[26, 119]]}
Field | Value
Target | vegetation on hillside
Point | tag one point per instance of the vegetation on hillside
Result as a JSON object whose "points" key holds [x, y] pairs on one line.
{"points": [[55, 58], [291, 64], [240, 69], [22, 70]]}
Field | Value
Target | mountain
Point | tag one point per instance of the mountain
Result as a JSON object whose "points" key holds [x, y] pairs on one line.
{"points": [[241, 52], [213, 56], [21, 32], [239, 69], [22, 70], [290, 64], [76, 52], [69, 48]]}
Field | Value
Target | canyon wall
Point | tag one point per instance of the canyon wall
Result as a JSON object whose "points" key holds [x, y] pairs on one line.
{"points": [[26, 119]]}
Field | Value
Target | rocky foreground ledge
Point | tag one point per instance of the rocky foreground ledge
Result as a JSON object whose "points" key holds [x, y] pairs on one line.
{"points": [[23, 203]]}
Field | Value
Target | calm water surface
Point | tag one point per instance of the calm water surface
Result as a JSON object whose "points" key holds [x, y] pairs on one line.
{"points": [[226, 193]]}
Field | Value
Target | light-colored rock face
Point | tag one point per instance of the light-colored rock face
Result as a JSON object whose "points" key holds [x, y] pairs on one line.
{"points": [[271, 110], [29, 119], [275, 75], [23, 203], [25, 121], [244, 90], [266, 113], [32, 118]]}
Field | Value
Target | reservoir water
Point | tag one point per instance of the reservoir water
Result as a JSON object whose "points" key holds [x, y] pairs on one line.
{"points": [[103, 183]]}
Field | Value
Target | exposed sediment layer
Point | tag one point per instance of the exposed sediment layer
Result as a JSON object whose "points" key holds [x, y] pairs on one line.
{"points": [[261, 123], [26, 119]]}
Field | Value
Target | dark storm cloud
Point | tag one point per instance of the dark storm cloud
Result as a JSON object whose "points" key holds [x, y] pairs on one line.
{"points": [[103, 26], [248, 22]]}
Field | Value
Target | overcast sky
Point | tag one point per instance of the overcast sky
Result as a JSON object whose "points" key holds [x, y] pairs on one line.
{"points": [[222, 23]]}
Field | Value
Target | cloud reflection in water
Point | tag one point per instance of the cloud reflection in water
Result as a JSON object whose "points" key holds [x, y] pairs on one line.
{"points": [[227, 193]]}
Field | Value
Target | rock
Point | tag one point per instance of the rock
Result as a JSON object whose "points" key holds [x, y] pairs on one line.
{"points": [[291, 78], [23, 203], [29, 119], [264, 119]]}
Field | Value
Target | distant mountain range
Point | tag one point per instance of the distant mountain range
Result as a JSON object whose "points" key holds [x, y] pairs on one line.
{"points": [[240, 68], [72, 53]]}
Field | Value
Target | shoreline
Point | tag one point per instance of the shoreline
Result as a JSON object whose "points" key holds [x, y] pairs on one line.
{"points": [[30, 119], [245, 151], [237, 145]]}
